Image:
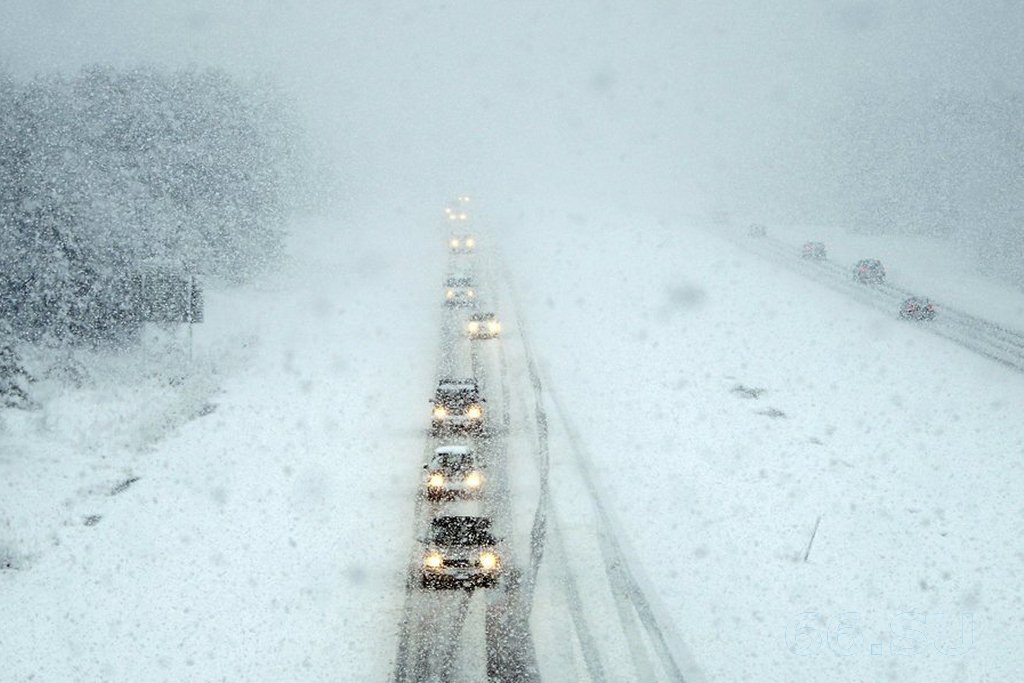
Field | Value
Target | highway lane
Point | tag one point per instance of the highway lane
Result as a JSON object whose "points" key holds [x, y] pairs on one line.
{"points": [[984, 337], [569, 605]]}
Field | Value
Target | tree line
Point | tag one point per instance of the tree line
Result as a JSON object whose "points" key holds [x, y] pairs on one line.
{"points": [[107, 173]]}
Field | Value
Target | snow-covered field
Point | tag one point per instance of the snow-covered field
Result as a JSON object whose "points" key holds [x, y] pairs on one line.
{"points": [[728, 405], [265, 539]]}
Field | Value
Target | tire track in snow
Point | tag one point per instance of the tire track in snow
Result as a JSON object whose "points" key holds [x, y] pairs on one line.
{"points": [[626, 590]]}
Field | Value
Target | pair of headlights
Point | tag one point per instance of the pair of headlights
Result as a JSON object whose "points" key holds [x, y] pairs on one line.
{"points": [[472, 480], [473, 412], [487, 560], [493, 327]]}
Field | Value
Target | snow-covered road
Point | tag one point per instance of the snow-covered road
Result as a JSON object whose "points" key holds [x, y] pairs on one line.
{"points": [[722, 405]]}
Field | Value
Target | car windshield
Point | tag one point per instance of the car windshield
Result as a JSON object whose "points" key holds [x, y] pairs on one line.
{"points": [[454, 461], [458, 282], [473, 531]]}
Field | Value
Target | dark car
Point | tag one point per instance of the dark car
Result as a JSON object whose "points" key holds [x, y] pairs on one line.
{"points": [[814, 251], [461, 553], [917, 308], [458, 407], [869, 270]]}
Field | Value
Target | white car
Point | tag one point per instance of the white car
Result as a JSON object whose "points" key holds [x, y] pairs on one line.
{"points": [[459, 291], [483, 326], [453, 472], [461, 244]]}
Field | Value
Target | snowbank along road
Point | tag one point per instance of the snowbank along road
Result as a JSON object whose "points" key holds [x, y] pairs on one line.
{"points": [[567, 605]]}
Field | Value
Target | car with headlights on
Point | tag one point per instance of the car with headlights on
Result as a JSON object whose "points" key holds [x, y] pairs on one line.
{"points": [[813, 251], [458, 407], [869, 271], [461, 244], [461, 552], [453, 472], [483, 326], [459, 291], [917, 308]]}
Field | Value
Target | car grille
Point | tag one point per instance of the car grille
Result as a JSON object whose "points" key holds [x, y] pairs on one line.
{"points": [[452, 562]]}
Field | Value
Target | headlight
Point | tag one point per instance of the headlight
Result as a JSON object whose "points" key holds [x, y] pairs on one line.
{"points": [[494, 327], [473, 480], [440, 413], [474, 412], [449, 294], [454, 244], [436, 480], [470, 293], [433, 561], [488, 561], [470, 242], [463, 216], [473, 327]]}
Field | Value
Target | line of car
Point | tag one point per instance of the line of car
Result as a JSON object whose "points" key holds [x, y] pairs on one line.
{"points": [[868, 271], [460, 549]]}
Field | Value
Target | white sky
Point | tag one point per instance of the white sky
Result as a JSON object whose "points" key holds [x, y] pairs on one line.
{"points": [[646, 103]]}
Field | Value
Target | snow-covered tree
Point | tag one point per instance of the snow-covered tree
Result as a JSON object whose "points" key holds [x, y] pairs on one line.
{"points": [[108, 171], [14, 379]]}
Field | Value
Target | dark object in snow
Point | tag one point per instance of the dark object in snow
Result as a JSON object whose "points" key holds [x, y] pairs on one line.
{"points": [[757, 230], [123, 486], [92, 520], [917, 308], [869, 271], [10, 558], [814, 251], [458, 407], [807, 552], [748, 392], [461, 553], [773, 413]]}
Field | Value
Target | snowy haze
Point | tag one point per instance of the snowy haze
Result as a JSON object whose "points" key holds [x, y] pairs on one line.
{"points": [[767, 110]]}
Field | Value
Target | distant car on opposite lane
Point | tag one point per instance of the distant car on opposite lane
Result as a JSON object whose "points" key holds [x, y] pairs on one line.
{"points": [[917, 308], [869, 271], [814, 251]]}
